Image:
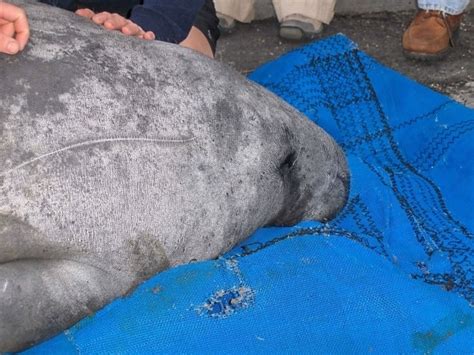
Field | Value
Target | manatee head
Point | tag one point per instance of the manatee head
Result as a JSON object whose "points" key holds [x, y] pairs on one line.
{"points": [[298, 171], [288, 164]]}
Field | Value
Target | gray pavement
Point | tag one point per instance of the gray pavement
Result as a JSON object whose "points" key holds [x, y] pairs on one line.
{"points": [[378, 34]]}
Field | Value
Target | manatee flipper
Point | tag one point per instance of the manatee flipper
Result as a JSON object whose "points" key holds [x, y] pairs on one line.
{"points": [[43, 291], [49, 294], [19, 241]]}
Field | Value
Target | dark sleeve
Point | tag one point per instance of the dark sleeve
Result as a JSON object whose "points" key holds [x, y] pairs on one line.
{"points": [[170, 21], [122, 7], [63, 4], [207, 22]]}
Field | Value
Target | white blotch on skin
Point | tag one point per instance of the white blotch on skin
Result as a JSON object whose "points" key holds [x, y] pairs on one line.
{"points": [[5, 285]]}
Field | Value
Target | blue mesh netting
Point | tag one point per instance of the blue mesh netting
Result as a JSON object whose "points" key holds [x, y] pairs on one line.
{"points": [[394, 272]]}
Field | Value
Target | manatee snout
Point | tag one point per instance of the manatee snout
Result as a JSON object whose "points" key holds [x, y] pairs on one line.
{"points": [[333, 199], [316, 177]]}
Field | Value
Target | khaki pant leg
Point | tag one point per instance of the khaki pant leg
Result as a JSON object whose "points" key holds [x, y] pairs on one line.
{"points": [[309, 10], [241, 10]]}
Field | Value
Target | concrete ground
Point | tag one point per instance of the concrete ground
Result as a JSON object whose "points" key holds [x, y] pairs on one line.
{"points": [[378, 34]]}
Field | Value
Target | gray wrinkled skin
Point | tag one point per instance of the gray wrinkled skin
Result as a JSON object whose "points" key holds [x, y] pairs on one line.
{"points": [[120, 158]]}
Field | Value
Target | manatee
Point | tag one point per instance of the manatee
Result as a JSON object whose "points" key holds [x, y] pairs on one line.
{"points": [[120, 158]]}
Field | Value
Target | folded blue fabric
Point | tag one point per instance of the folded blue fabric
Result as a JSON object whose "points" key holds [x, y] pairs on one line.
{"points": [[410, 151], [393, 273]]}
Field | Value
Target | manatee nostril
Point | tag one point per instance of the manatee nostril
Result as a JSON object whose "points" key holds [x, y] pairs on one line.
{"points": [[288, 163]]}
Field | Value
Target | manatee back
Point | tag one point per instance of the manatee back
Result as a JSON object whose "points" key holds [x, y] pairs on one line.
{"points": [[76, 82], [106, 139]]}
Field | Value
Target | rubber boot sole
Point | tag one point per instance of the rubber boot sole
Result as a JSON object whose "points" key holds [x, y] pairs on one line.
{"points": [[294, 31], [432, 57]]}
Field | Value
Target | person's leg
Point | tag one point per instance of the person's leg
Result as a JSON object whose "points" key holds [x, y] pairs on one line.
{"points": [[230, 10], [451, 7], [204, 33], [431, 33], [197, 41], [303, 18], [240, 10]]}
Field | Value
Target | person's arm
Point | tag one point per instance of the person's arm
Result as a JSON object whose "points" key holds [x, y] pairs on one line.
{"points": [[14, 28], [164, 20], [170, 21]]}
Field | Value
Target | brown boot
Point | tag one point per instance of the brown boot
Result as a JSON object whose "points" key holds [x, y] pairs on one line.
{"points": [[430, 35]]}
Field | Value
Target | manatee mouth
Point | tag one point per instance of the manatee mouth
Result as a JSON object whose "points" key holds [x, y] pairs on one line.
{"points": [[338, 193], [321, 202], [288, 163]]}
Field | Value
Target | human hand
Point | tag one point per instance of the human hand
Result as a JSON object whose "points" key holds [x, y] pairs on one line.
{"points": [[14, 28], [116, 22]]}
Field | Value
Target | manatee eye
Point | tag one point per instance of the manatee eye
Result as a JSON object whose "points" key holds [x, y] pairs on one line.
{"points": [[288, 163]]}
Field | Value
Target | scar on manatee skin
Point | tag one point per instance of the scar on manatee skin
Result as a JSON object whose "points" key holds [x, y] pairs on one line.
{"points": [[171, 141], [47, 32]]}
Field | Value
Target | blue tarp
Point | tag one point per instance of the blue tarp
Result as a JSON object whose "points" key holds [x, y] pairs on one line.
{"points": [[394, 272]]}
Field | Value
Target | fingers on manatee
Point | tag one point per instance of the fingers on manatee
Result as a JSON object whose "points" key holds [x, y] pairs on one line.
{"points": [[8, 45], [14, 23], [14, 31], [115, 22], [132, 29], [22, 37], [87, 13], [150, 36], [8, 29], [101, 17]]}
